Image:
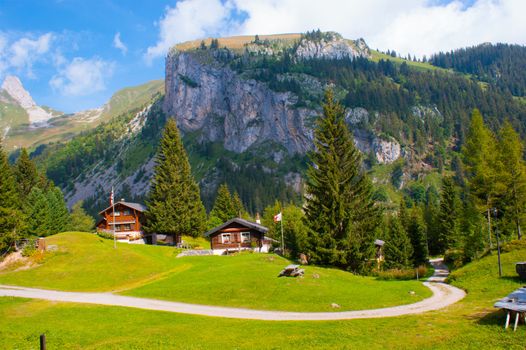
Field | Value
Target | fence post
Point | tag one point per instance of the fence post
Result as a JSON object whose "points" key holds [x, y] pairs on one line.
{"points": [[42, 342]]}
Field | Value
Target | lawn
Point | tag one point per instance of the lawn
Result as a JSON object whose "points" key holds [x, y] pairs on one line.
{"points": [[470, 324], [85, 262]]}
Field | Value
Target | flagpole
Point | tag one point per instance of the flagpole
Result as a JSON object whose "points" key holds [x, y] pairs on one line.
{"points": [[113, 210], [282, 240]]}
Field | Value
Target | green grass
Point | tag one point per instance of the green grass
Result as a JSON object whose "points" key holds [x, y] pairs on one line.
{"points": [[86, 262], [470, 324], [377, 56]]}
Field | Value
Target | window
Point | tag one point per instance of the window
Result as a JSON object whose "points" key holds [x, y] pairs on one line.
{"points": [[117, 213], [126, 212], [127, 227], [245, 237], [225, 238]]}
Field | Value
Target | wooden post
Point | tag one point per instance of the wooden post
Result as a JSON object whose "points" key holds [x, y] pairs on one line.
{"points": [[42, 342], [516, 321], [507, 320]]}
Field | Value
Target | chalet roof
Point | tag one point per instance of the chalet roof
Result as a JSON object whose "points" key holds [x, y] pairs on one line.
{"points": [[240, 221], [136, 206]]}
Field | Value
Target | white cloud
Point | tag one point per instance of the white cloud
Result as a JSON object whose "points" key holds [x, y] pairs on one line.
{"points": [[118, 44], [191, 19], [82, 77], [21, 54], [410, 26]]}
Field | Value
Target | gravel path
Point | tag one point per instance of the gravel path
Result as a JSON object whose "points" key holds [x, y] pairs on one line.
{"points": [[443, 295]]}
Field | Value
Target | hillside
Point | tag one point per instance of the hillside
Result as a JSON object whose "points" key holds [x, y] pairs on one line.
{"points": [[247, 115], [60, 127], [471, 323]]}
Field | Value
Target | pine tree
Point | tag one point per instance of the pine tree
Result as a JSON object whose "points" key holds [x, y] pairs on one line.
{"points": [[10, 213], [340, 213], [448, 216], [37, 209], [416, 231], [174, 203], [80, 220], [26, 174], [513, 173], [58, 211], [397, 247], [224, 208], [480, 160]]}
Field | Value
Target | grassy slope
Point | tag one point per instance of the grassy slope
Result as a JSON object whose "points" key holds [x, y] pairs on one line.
{"points": [[85, 262], [469, 324], [66, 127], [236, 42]]}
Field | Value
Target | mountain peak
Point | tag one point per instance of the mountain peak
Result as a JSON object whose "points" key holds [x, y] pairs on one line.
{"points": [[37, 115]]}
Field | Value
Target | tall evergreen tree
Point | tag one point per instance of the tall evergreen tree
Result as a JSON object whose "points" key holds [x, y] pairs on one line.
{"points": [[480, 160], [397, 247], [37, 209], [513, 174], [340, 213], [26, 174], [58, 211], [10, 213], [224, 208], [416, 231], [448, 217], [174, 203], [80, 220]]}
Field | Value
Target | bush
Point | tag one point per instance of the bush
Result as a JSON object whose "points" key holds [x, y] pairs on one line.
{"points": [[514, 245], [454, 258], [29, 249], [105, 235], [402, 274]]}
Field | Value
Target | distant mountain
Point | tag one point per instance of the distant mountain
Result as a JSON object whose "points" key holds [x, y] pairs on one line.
{"points": [[25, 124], [247, 106]]}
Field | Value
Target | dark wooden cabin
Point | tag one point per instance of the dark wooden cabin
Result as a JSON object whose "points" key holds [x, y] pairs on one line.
{"points": [[238, 234], [129, 218]]}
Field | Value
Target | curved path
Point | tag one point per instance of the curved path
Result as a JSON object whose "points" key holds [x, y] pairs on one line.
{"points": [[443, 295]]}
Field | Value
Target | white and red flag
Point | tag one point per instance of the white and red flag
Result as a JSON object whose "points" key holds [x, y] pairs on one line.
{"points": [[111, 197], [277, 217]]}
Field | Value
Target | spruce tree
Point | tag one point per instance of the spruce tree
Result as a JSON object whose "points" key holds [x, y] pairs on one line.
{"points": [[339, 211], [416, 231], [10, 214], [80, 220], [513, 174], [37, 209], [448, 217], [26, 174], [239, 208], [224, 208], [397, 247], [174, 203], [480, 160], [58, 211]]}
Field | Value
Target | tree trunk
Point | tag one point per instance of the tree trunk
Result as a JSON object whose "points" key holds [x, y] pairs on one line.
{"points": [[519, 235], [489, 227]]}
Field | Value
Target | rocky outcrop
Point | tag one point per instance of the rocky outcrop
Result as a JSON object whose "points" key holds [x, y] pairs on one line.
{"points": [[240, 113], [386, 151], [14, 88], [331, 46]]}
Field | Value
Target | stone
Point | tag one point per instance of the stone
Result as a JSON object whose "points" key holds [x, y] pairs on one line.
{"points": [[412, 292], [315, 276], [335, 306]]}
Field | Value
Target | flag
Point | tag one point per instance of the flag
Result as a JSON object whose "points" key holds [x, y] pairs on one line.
{"points": [[111, 197], [277, 217]]}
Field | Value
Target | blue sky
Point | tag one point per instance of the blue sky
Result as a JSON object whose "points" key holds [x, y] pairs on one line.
{"points": [[73, 55]]}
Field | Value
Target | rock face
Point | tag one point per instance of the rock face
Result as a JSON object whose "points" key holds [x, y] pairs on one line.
{"points": [[223, 107], [332, 47], [386, 151], [37, 115]]}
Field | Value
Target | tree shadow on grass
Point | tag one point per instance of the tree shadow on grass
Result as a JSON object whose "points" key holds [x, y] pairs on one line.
{"points": [[515, 279], [493, 318]]}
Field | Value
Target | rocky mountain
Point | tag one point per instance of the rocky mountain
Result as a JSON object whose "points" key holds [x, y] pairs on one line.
{"points": [[246, 107], [25, 124], [13, 87]]}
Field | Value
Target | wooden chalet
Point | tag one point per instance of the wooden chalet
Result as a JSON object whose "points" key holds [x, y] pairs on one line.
{"points": [[129, 218], [238, 234]]}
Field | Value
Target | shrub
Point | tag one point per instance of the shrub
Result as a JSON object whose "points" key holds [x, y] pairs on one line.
{"points": [[514, 245], [29, 249], [105, 235], [454, 258], [402, 274]]}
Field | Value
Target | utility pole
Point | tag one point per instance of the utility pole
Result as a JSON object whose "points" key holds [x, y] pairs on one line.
{"points": [[113, 211]]}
